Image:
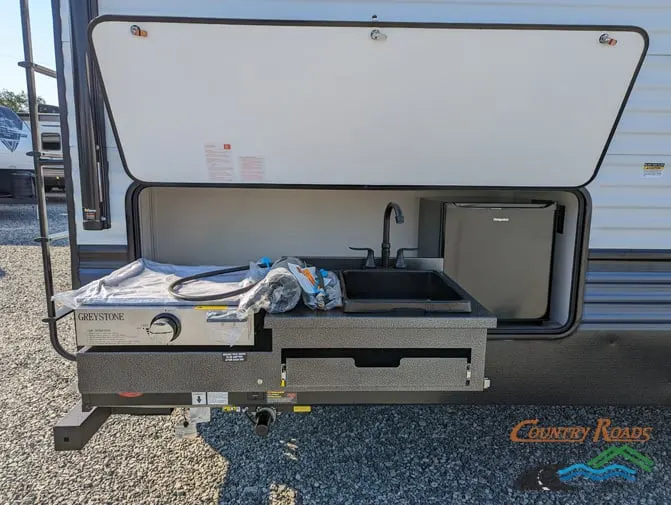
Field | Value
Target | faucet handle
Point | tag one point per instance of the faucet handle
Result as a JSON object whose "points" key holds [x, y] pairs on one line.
{"points": [[370, 255], [400, 259]]}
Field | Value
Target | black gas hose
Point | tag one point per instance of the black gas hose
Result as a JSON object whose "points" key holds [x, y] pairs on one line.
{"points": [[172, 289]]}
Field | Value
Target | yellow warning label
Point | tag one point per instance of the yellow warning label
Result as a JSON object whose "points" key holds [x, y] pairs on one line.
{"points": [[211, 307], [302, 408], [653, 169], [280, 397], [230, 408]]}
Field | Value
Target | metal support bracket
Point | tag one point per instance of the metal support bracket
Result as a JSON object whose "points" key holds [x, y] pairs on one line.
{"points": [[60, 314], [77, 427], [74, 430]]}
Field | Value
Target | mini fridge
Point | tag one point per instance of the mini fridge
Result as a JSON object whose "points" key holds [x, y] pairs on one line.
{"points": [[500, 253]]}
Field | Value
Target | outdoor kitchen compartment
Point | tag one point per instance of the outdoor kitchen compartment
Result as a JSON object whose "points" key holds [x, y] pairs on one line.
{"points": [[317, 184], [501, 253]]}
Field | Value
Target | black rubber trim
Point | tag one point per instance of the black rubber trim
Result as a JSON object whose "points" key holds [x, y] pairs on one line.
{"points": [[363, 24], [133, 235]]}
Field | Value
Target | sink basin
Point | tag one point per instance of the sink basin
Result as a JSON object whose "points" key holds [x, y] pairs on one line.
{"points": [[387, 290]]}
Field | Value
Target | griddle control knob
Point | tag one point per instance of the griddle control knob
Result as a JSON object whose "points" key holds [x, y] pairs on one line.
{"points": [[165, 327]]}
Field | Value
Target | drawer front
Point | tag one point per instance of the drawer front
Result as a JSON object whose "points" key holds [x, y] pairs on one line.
{"points": [[412, 374]]}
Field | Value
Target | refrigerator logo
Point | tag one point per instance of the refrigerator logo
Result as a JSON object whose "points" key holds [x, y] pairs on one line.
{"points": [[501, 219], [101, 316]]}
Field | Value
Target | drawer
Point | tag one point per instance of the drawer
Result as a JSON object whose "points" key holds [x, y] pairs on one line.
{"points": [[412, 374]]}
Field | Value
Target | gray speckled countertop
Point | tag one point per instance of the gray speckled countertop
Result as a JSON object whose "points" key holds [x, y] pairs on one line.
{"points": [[302, 317]]}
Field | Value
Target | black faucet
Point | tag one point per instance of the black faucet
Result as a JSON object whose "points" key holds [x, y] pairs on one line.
{"points": [[386, 245]]}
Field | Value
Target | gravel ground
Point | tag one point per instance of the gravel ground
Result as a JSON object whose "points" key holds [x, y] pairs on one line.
{"points": [[349, 455]]}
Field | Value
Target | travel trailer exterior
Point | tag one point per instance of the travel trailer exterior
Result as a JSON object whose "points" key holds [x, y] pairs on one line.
{"points": [[51, 148], [16, 167], [520, 146], [15, 177]]}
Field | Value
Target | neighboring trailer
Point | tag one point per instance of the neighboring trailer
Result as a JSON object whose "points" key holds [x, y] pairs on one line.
{"points": [[17, 176], [51, 147], [141, 189]]}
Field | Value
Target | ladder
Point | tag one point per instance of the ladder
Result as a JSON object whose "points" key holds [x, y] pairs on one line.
{"points": [[39, 160]]}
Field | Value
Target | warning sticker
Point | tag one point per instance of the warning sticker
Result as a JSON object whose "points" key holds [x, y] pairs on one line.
{"points": [[210, 307], [199, 414], [228, 332], [252, 168], [217, 398], [234, 356], [280, 397], [220, 162], [653, 169], [199, 398]]}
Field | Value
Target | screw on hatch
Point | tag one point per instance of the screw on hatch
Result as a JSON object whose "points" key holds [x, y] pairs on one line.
{"points": [[607, 39], [377, 35], [137, 31]]}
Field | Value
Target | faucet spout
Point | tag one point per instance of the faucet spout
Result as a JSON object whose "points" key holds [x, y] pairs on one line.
{"points": [[386, 244]]}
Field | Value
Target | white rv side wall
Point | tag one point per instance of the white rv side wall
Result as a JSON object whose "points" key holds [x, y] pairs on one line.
{"points": [[631, 210]]}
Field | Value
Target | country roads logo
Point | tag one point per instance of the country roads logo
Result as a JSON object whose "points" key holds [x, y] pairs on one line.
{"points": [[529, 431], [617, 462]]}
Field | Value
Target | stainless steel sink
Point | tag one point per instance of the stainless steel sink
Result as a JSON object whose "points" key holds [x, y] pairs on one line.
{"points": [[386, 290]]}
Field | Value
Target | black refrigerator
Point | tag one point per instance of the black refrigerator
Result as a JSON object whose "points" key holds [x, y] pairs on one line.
{"points": [[501, 253]]}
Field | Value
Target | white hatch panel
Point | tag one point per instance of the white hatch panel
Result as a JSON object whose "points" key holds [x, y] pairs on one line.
{"points": [[327, 105]]}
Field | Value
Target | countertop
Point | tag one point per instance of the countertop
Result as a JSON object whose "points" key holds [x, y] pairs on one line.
{"points": [[302, 317]]}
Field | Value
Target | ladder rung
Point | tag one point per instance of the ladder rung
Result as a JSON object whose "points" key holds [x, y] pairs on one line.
{"points": [[51, 161], [59, 236], [38, 68], [54, 236], [42, 159], [61, 312]]}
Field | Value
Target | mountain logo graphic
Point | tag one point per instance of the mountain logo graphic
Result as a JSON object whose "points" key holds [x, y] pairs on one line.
{"points": [[596, 468], [12, 129], [608, 472], [626, 452], [555, 477]]}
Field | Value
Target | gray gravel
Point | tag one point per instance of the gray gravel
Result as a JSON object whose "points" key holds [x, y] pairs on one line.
{"points": [[18, 223], [354, 455]]}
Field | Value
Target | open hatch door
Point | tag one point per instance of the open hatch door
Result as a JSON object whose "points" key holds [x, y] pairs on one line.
{"points": [[300, 103]]}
